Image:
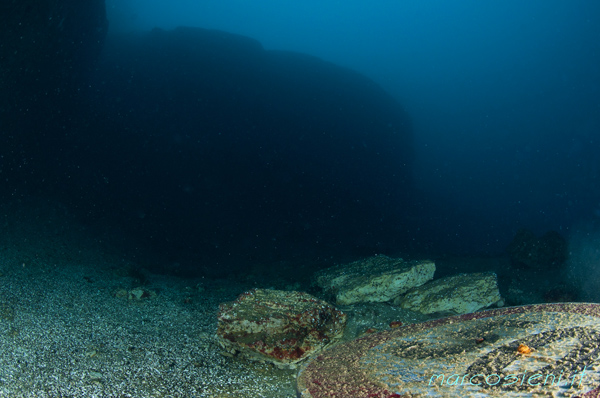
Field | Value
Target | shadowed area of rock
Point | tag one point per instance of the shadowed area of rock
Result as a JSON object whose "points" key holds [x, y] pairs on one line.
{"points": [[200, 144]]}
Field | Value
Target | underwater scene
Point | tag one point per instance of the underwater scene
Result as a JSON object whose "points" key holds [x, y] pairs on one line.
{"points": [[300, 199]]}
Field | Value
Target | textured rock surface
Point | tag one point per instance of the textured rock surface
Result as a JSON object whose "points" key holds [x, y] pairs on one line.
{"points": [[460, 294], [375, 279], [278, 326], [400, 362]]}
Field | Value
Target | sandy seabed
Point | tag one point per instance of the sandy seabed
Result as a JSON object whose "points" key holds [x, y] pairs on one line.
{"points": [[67, 328]]}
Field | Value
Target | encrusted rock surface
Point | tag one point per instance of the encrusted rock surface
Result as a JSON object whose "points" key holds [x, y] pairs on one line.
{"points": [[278, 326], [459, 294], [375, 279]]}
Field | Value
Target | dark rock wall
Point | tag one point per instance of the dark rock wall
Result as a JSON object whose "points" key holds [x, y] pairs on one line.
{"points": [[234, 146], [197, 142]]}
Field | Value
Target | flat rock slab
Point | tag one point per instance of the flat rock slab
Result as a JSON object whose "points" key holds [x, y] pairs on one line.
{"points": [[538, 350], [278, 326], [459, 294], [376, 279]]}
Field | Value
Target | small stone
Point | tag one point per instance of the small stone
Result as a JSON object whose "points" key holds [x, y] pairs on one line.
{"points": [[95, 376], [91, 353], [140, 293], [121, 293]]}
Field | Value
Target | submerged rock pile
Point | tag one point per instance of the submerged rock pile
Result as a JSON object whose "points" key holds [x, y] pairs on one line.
{"points": [[406, 284]]}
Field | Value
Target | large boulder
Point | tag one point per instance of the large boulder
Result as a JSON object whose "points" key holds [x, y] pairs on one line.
{"points": [[375, 279], [459, 294], [278, 326]]}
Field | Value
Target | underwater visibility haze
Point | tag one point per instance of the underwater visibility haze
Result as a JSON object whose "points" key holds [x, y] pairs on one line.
{"points": [[233, 132]]}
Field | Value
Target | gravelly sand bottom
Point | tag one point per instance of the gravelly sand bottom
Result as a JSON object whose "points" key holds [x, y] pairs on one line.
{"points": [[64, 332]]}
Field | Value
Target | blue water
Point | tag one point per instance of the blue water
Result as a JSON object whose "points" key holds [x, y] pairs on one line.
{"points": [[496, 127]]}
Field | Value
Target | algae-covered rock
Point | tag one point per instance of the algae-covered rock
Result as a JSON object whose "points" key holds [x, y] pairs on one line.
{"points": [[459, 294], [375, 279], [278, 326]]}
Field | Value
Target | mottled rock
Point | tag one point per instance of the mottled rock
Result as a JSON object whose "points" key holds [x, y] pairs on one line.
{"points": [[278, 326], [459, 294], [375, 279]]}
